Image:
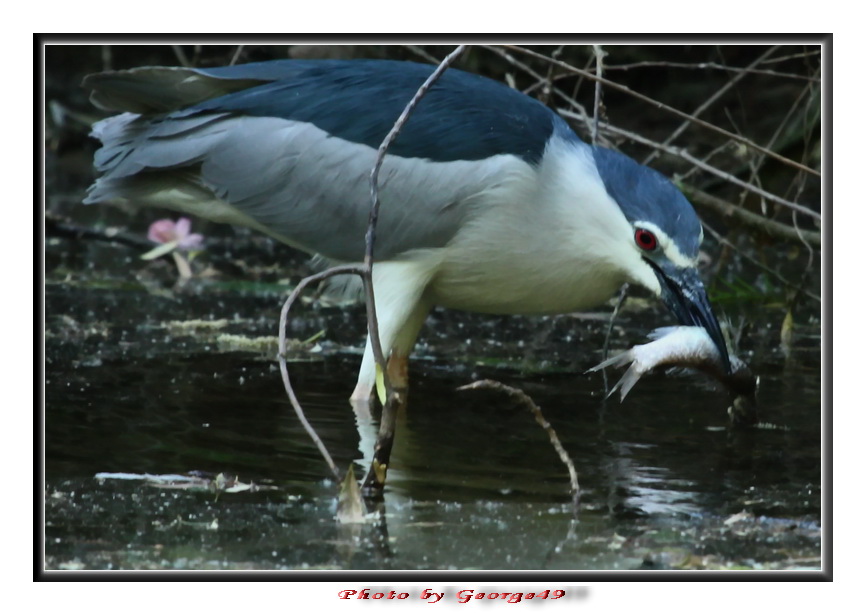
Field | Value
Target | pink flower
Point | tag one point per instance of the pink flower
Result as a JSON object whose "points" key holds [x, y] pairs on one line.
{"points": [[167, 231]]}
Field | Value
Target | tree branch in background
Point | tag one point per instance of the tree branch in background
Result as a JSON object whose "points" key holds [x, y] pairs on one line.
{"points": [[669, 109], [707, 103], [756, 222], [599, 54], [729, 210]]}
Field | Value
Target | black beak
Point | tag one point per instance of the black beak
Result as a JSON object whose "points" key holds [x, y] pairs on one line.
{"points": [[684, 294]]}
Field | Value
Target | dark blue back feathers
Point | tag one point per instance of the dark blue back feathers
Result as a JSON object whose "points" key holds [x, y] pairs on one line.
{"points": [[462, 117]]}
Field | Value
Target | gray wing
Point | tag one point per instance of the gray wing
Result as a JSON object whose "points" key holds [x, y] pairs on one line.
{"points": [[295, 181]]}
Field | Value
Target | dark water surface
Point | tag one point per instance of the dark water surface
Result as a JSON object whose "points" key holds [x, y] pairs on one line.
{"points": [[474, 484]]}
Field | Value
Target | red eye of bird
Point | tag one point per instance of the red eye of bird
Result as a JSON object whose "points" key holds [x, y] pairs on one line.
{"points": [[645, 239]]}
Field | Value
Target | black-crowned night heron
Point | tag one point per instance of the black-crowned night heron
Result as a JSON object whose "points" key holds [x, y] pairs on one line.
{"points": [[490, 202]]}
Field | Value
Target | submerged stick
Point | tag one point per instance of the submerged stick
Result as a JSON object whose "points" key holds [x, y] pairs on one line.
{"points": [[527, 401]]}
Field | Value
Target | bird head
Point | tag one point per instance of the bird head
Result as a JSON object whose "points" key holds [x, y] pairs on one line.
{"points": [[666, 235]]}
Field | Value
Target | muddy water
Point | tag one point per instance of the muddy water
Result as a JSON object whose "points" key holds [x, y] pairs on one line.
{"points": [[131, 386]]}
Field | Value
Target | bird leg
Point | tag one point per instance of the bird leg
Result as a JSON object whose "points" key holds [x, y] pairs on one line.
{"points": [[398, 374], [401, 315]]}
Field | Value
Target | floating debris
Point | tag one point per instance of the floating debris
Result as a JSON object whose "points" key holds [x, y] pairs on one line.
{"points": [[194, 481]]}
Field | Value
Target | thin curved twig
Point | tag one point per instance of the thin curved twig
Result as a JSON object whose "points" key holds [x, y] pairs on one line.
{"points": [[375, 479], [623, 292], [284, 370], [527, 401], [376, 345]]}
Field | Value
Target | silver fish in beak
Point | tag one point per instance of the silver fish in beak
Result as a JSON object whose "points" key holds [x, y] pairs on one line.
{"points": [[684, 295], [690, 347], [681, 347]]}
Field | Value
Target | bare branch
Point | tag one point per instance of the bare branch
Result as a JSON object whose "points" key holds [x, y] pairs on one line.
{"points": [[374, 210], [738, 215], [582, 116], [374, 482], [596, 107], [750, 70], [669, 109], [716, 95], [366, 272], [237, 55]]}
